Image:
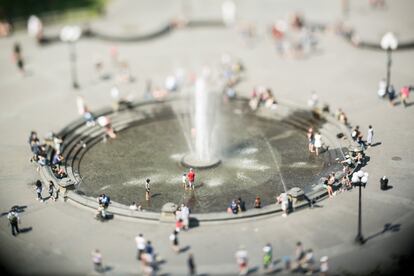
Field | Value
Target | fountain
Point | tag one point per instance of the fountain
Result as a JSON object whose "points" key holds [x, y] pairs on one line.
{"points": [[204, 155]]}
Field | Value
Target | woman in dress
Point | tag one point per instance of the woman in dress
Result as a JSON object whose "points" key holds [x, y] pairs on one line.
{"points": [[318, 143]]}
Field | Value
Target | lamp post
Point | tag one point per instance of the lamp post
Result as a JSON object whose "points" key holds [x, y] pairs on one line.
{"points": [[71, 34], [389, 43], [360, 179]]}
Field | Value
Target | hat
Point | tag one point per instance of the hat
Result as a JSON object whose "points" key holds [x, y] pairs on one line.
{"points": [[324, 259]]}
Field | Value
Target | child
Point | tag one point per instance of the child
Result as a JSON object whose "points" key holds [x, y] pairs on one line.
{"points": [[51, 189], [184, 181]]}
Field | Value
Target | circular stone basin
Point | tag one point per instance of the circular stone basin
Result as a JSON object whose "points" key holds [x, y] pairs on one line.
{"points": [[259, 157], [191, 161]]}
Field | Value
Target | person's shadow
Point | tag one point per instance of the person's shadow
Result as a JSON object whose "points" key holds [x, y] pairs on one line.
{"points": [[25, 230]]}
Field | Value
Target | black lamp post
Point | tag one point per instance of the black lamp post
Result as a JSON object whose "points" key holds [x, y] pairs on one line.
{"points": [[389, 43], [71, 34], [360, 179]]}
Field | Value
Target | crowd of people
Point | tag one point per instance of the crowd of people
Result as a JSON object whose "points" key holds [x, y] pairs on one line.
{"points": [[293, 37], [389, 92], [302, 261], [262, 96]]}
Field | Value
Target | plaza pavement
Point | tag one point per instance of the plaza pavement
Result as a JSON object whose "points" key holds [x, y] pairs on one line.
{"points": [[63, 235]]}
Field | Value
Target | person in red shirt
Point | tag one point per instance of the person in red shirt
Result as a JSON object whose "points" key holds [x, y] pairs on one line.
{"points": [[405, 93], [190, 178]]}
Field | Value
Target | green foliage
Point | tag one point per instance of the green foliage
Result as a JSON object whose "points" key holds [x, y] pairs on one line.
{"points": [[19, 9]]}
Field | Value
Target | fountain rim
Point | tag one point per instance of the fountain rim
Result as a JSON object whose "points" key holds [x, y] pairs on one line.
{"points": [[149, 216]]}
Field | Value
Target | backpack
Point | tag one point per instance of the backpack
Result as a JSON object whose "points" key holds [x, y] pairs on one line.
{"points": [[13, 218]]}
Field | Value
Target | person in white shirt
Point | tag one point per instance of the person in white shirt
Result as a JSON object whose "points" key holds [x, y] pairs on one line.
{"points": [[140, 241]]}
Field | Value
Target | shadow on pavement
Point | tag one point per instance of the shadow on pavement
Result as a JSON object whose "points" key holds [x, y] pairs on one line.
{"points": [[376, 144], [388, 227], [193, 223], [26, 229], [17, 208], [184, 249], [253, 270]]}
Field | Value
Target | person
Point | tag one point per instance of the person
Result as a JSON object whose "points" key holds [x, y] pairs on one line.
{"points": [[257, 202], [105, 201], [147, 189], [241, 257], [84, 111], [35, 28], [391, 94], [185, 215], [404, 94], [115, 97], [313, 101], [97, 260], [283, 199], [179, 224], [370, 135], [267, 257], [184, 181], [51, 190], [311, 140], [308, 263], [241, 205], [191, 178], [18, 58], [39, 189], [382, 86], [233, 208], [105, 122], [331, 181], [57, 159], [355, 133], [135, 207], [174, 240], [318, 143], [346, 183], [324, 266], [33, 137], [149, 249], [384, 183], [191, 265], [14, 221], [140, 242], [147, 264], [299, 253]]}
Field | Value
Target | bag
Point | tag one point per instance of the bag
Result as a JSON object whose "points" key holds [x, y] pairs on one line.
{"points": [[13, 219]]}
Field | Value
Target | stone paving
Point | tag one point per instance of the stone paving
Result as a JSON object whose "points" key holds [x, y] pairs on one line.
{"points": [[60, 235]]}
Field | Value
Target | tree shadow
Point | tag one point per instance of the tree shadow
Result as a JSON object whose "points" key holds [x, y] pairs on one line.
{"points": [[388, 227]]}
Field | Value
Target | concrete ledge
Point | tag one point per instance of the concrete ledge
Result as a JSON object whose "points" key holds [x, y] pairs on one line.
{"points": [[75, 132]]}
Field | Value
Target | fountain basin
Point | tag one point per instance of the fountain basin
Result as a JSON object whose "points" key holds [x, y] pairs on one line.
{"points": [[191, 161]]}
